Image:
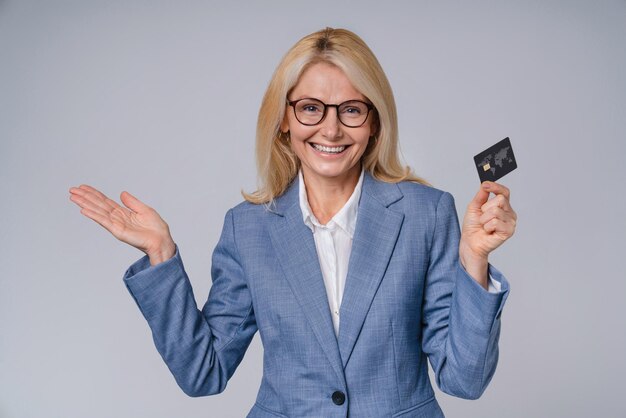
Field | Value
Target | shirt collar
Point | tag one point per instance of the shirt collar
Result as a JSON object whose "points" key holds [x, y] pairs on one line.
{"points": [[345, 218]]}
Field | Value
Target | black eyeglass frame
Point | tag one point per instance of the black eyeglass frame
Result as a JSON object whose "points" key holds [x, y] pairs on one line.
{"points": [[293, 103]]}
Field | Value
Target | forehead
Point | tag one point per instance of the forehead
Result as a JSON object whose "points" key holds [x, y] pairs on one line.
{"points": [[326, 82]]}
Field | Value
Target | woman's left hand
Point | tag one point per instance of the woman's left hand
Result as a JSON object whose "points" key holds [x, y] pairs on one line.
{"points": [[486, 225]]}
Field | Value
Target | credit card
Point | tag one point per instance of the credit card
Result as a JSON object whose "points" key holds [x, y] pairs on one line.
{"points": [[496, 161]]}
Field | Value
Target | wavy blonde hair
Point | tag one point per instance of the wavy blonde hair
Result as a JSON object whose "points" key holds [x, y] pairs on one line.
{"points": [[277, 164]]}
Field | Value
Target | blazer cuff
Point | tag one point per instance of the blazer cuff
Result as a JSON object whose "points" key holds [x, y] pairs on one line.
{"points": [[148, 283], [486, 307]]}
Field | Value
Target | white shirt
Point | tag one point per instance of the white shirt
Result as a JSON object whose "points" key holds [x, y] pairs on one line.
{"points": [[333, 243]]}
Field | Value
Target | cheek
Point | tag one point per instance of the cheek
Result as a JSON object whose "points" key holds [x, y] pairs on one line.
{"points": [[297, 144], [299, 133], [363, 141]]}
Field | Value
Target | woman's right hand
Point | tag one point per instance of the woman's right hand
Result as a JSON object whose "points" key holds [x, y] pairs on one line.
{"points": [[137, 224]]}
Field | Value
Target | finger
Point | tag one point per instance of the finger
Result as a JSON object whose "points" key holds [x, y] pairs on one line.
{"points": [[88, 187], [499, 201], [87, 191], [85, 203], [499, 227], [78, 190], [490, 226], [497, 188], [479, 198], [499, 214], [133, 203], [110, 204], [100, 219], [93, 190], [493, 213], [98, 199]]}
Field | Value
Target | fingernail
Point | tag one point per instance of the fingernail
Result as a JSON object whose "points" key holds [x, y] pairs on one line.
{"points": [[486, 186]]}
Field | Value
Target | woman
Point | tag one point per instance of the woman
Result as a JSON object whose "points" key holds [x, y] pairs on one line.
{"points": [[351, 268]]}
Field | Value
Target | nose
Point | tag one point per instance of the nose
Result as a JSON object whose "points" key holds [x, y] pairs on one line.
{"points": [[331, 126]]}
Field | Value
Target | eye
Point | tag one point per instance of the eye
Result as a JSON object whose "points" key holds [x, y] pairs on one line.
{"points": [[310, 106], [353, 109]]}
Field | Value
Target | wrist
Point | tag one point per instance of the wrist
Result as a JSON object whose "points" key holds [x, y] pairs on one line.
{"points": [[162, 253], [476, 266]]}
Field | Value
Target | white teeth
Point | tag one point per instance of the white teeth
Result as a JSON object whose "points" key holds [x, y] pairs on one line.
{"points": [[331, 150]]}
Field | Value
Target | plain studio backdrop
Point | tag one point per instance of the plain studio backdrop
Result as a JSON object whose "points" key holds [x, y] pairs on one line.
{"points": [[160, 98]]}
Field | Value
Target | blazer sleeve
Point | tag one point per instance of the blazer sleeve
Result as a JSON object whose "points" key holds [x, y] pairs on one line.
{"points": [[202, 349], [461, 320]]}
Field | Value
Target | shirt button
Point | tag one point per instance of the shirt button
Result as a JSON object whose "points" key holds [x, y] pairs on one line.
{"points": [[338, 397], [337, 313]]}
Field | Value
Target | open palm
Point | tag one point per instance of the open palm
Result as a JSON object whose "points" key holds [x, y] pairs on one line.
{"points": [[137, 224]]}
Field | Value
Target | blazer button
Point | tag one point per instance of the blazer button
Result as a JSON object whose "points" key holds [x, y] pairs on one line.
{"points": [[338, 397]]}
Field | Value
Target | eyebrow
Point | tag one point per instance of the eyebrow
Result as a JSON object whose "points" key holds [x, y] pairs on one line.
{"points": [[364, 99]]}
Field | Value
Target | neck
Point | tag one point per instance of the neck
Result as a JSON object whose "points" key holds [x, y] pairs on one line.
{"points": [[327, 196]]}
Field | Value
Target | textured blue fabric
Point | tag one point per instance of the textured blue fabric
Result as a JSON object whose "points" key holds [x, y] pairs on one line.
{"points": [[407, 298]]}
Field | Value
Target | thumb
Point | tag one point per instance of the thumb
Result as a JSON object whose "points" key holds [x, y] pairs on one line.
{"points": [[132, 202], [481, 196]]}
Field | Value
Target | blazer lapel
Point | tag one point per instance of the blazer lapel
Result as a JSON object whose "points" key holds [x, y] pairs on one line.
{"points": [[374, 239], [295, 247]]}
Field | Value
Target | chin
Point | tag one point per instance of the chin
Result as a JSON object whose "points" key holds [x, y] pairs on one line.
{"points": [[331, 172]]}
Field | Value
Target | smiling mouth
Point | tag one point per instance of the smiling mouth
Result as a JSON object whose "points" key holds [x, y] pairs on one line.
{"points": [[329, 150]]}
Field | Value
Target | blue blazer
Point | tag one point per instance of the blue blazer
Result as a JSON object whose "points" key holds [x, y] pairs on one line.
{"points": [[406, 299]]}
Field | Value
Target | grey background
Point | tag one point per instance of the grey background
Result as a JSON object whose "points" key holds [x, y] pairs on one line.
{"points": [[160, 98]]}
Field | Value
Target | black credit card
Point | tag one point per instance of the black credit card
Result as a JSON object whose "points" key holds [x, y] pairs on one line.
{"points": [[496, 161]]}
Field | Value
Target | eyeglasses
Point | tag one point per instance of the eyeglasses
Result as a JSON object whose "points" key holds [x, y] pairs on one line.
{"points": [[310, 112]]}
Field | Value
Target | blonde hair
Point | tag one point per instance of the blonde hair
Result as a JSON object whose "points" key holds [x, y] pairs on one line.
{"points": [[277, 164]]}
